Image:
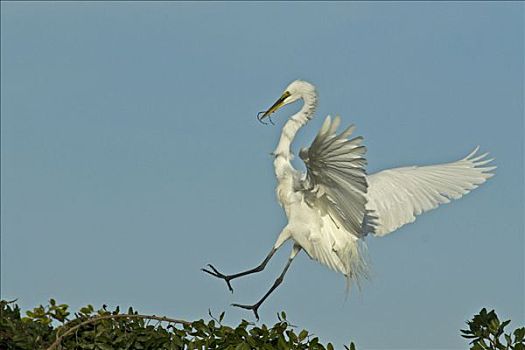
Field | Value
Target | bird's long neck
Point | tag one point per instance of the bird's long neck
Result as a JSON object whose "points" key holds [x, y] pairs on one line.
{"points": [[283, 154]]}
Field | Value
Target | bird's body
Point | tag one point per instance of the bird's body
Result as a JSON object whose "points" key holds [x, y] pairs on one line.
{"points": [[311, 229], [335, 204]]}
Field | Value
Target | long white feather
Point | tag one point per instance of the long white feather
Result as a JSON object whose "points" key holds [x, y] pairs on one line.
{"points": [[396, 196]]}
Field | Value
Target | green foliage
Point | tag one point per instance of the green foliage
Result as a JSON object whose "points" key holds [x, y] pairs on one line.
{"points": [[486, 330], [50, 328], [17, 333]]}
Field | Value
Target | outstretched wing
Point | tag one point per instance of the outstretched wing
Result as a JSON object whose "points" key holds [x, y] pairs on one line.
{"points": [[335, 181], [397, 195]]}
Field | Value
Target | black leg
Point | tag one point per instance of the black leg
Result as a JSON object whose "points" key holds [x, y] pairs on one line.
{"points": [[228, 278], [278, 281]]}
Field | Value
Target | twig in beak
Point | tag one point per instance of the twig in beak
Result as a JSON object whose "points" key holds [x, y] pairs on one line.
{"points": [[259, 118]]}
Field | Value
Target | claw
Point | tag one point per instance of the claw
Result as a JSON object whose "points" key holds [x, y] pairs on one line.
{"points": [[217, 274], [254, 308], [213, 268]]}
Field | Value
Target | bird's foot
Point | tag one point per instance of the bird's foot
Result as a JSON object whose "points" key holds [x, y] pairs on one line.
{"points": [[217, 274], [254, 308]]}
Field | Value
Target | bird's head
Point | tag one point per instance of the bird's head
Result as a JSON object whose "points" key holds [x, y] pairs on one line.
{"points": [[298, 89]]}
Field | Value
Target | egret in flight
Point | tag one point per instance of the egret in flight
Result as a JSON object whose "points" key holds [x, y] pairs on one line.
{"points": [[335, 204]]}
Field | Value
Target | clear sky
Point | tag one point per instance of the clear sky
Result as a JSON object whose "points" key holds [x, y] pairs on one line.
{"points": [[131, 157]]}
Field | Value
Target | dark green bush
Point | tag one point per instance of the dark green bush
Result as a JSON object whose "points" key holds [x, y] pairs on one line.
{"points": [[51, 328], [486, 330]]}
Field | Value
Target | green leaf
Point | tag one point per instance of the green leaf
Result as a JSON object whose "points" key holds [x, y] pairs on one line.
{"points": [[103, 346], [242, 346], [519, 334], [478, 346], [303, 334], [494, 325]]}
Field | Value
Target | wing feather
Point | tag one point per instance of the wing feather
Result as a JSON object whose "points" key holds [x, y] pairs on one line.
{"points": [[335, 180], [397, 196]]}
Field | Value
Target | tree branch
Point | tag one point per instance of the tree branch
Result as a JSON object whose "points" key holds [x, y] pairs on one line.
{"points": [[106, 317]]}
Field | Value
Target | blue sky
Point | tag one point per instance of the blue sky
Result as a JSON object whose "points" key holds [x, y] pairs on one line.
{"points": [[131, 157]]}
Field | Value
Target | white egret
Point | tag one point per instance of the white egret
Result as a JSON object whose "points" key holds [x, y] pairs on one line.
{"points": [[335, 204]]}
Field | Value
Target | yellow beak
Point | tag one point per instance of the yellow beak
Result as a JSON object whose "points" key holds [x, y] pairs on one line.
{"points": [[278, 104]]}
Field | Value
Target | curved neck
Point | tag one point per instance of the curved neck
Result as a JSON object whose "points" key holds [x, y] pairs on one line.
{"points": [[293, 125], [284, 170]]}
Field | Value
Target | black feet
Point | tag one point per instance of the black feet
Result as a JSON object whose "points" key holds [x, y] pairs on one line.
{"points": [[254, 308], [211, 270], [217, 274]]}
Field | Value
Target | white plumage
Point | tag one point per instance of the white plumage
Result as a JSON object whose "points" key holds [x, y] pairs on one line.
{"points": [[333, 206], [397, 195]]}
